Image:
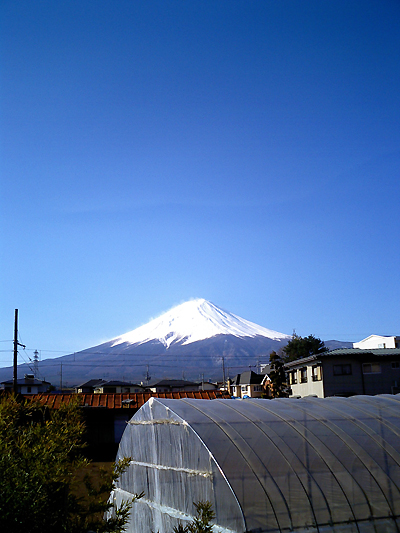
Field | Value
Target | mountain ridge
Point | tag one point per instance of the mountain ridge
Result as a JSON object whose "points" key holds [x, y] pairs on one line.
{"points": [[195, 339]]}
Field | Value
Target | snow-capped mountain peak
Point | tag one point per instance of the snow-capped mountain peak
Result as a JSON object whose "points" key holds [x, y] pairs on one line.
{"points": [[193, 321]]}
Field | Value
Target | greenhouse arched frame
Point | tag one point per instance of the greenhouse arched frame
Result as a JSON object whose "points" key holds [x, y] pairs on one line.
{"points": [[312, 464]]}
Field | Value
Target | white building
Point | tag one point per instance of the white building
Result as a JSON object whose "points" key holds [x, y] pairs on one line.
{"points": [[28, 385], [374, 342]]}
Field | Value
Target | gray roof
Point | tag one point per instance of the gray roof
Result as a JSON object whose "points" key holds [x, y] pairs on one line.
{"points": [[117, 384], [346, 352], [173, 383], [249, 378], [357, 351], [91, 383], [26, 381]]}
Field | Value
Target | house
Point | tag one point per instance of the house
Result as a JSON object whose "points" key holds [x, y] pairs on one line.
{"points": [[118, 387], [207, 385], [28, 385], [378, 341], [346, 372], [106, 415], [174, 385], [248, 384], [89, 386]]}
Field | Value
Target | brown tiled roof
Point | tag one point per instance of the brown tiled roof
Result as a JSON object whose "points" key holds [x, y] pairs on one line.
{"points": [[114, 401]]}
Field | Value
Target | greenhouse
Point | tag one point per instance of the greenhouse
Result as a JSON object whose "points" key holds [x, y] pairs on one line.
{"points": [[312, 464]]}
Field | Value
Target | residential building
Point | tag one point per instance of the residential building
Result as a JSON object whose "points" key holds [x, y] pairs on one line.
{"points": [[378, 341], [106, 415], [346, 372], [174, 385], [248, 385], [89, 386], [117, 387], [28, 385]]}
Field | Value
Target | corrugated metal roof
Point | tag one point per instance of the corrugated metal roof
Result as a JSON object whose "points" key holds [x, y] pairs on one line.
{"points": [[124, 400], [379, 352], [359, 351]]}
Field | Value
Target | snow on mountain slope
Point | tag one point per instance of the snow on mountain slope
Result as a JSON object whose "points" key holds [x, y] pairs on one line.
{"points": [[194, 321]]}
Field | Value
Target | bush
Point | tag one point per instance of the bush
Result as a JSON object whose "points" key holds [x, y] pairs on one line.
{"points": [[41, 470]]}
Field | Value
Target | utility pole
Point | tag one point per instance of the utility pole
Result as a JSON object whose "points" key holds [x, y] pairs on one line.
{"points": [[16, 344], [223, 373]]}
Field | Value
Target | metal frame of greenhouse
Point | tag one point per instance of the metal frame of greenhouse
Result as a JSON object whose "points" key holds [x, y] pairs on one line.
{"points": [[316, 465]]}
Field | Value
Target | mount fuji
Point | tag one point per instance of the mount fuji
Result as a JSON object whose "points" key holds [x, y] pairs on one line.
{"points": [[192, 341], [195, 321]]}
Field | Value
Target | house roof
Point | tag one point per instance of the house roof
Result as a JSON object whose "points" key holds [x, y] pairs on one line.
{"points": [[380, 337], [346, 352], [116, 383], [248, 378], [118, 401], [173, 383], [26, 381], [91, 383]]}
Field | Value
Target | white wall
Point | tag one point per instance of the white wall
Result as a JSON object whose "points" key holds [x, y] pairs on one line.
{"points": [[311, 387], [374, 342]]}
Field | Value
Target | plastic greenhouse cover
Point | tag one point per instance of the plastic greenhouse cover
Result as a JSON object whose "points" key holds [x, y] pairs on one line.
{"points": [[266, 465]]}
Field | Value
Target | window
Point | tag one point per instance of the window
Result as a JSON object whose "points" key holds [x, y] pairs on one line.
{"points": [[303, 375], [257, 388], [317, 373], [371, 368], [396, 364], [342, 370], [293, 377], [382, 345], [244, 388]]}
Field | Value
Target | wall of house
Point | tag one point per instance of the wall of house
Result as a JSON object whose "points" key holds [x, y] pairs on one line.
{"points": [[308, 388], [374, 342], [369, 375], [350, 376], [342, 380], [252, 391]]}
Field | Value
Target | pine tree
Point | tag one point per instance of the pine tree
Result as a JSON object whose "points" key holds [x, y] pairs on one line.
{"points": [[277, 376], [299, 347]]}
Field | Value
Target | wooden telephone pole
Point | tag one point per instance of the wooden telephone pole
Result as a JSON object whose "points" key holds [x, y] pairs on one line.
{"points": [[16, 344]]}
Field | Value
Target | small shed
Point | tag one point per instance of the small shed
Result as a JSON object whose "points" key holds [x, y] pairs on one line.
{"points": [[315, 465]]}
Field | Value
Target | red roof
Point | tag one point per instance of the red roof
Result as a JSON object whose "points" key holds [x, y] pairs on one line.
{"points": [[114, 401]]}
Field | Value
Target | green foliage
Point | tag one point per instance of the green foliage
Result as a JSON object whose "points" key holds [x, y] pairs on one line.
{"points": [[300, 347], [41, 472], [277, 376], [201, 523]]}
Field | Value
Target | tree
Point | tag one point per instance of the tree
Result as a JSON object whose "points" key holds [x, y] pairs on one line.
{"points": [[41, 472], [299, 347], [277, 376], [201, 523]]}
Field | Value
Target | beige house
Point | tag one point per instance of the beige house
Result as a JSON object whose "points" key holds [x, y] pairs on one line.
{"points": [[248, 385]]}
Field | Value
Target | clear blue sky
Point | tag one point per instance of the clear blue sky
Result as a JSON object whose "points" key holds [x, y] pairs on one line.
{"points": [[246, 152]]}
